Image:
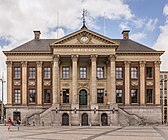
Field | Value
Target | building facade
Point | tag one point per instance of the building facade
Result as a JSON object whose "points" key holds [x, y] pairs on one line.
{"points": [[83, 78], [164, 95]]}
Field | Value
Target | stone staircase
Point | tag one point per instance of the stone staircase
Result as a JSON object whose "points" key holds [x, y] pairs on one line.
{"points": [[127, 119]]}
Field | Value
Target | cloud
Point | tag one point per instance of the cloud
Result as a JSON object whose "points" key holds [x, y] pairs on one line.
{"points": [[161, 43], [124, 26], [151, 24], [137, 36], [19, 18]]}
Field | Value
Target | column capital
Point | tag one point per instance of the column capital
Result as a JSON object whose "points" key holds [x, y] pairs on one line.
{"points": [[55, 57], [24, 64], [39, 64], [93, 57], [112, 57], [157, 63], [142, 63], [127, 63], [9, 64], [74, 57]]}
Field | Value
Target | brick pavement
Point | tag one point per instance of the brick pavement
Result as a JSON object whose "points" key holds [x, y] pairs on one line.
{"points": [[85, 133]]}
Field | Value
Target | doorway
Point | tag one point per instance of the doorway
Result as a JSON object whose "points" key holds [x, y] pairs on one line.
{"points": [[104, 119], [65, 119], [84, 120]]}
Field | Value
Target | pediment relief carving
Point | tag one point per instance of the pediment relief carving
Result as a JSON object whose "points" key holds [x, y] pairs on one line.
{"points": [[84, 37]]}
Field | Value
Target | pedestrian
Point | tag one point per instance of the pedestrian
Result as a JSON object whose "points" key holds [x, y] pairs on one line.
{"points": [[9, 123], [18, 123]]}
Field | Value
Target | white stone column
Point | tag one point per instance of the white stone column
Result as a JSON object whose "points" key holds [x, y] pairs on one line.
{"points": [[55, 73], [9, 82], [74, 79], [142, 82], [24, 82], [39, 83], [127, 82], [157, 82], [93, 84], [112, 79]]}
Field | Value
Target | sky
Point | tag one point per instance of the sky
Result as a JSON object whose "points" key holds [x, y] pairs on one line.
{"points": [[147, 21]]}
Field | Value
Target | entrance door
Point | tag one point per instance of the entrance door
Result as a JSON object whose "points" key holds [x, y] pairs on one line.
{"points": [[65, 119], [84, 119], [16, 115], [83, 98], [104, 119]]}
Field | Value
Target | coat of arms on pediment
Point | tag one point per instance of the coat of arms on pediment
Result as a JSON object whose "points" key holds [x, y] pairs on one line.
{"points": [[84, 37]]}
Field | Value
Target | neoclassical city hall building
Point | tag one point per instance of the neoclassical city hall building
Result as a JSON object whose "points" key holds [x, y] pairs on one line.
{"points": [[83, 78]]}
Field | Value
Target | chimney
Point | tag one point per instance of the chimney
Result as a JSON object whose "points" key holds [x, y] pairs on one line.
{"points": [[125, 34], [37, 35]]}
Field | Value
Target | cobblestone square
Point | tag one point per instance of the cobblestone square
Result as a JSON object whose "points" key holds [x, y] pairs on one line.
{"points": [[85, 133]]}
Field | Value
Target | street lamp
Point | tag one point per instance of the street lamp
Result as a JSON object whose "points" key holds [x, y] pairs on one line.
{"points": [[2, 106]]}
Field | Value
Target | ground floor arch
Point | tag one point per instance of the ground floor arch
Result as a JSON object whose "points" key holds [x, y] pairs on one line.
{"points": [[84, 119], [65, 119], [104, 119]]}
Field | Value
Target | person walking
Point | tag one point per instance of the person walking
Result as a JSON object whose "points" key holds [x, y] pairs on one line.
{"points": [[9, 123], [18, 123]]}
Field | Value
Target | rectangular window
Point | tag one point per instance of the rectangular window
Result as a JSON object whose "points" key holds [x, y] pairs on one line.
{"points": [[119, 96], [134, 96], [119, 73], [100, 72], [149, 96], [32, 95], [47, 72], [17, 72], [32, 73], [65, 95], [100, 96], [47, 95], [134, 73], [149, 72], [65, 72], [82, 72], [17, 96]]}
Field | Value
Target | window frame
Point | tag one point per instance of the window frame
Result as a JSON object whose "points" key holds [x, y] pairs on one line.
{"points": [[49, 96], [152, 100], [118, 89], [100, 72], [47, 72], [83, 72], [17, 98], [32, 72], [100, 100], [137, 96], [134, 72], [65, 72], [119, 72], [17, 72], [65, 96], [32, 89]]}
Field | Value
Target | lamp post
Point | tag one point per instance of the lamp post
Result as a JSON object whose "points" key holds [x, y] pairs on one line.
{"points": [[2, 106]]}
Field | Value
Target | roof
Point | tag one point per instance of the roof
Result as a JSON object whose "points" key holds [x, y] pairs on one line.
{"points": [[43, 45], [127, 45]]}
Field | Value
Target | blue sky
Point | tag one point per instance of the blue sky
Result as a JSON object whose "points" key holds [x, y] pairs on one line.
{"points": [[147, 21]]}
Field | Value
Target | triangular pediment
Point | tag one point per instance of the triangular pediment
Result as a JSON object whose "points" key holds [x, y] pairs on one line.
{"points": [[84, 37]]}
